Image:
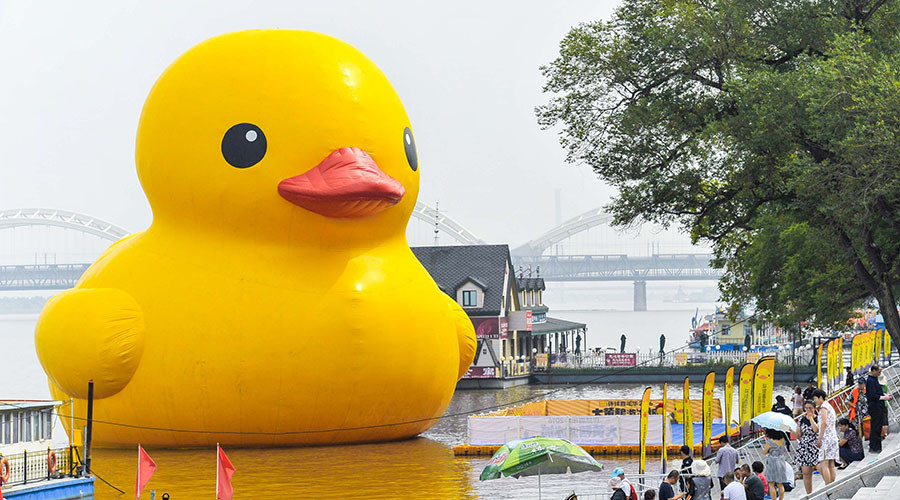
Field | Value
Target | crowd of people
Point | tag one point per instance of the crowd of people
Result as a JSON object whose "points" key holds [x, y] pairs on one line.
{"points": [[820, 446]]}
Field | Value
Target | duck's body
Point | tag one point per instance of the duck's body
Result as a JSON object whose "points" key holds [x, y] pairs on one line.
{"points": [[285, 321]]}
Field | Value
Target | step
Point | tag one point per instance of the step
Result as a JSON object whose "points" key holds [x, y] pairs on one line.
{"points": [[865, 494], [887, 485]]}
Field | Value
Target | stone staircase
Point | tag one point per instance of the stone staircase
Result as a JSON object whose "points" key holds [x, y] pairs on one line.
{"points": [[883, 490], [870, 478]]}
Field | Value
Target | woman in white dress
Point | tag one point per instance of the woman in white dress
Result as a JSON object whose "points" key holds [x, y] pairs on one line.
{"points": [[828, 440]]}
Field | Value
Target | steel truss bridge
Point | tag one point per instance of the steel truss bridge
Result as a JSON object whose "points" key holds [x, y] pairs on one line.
{"points": [[41, 277], [599, 267]]}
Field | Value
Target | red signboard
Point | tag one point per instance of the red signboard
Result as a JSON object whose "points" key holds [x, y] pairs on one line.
{"points": [[527, 321], [481, 372], [621, 359], [504, 327], [488, 328]]}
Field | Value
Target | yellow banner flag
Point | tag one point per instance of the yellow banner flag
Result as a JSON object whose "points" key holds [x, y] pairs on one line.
{"points": [[878, 343], [854, 356], [763, 385], [708, 391], [831, 365], [645, 416], [819, 367], [688, 415], [745, 394], [729, 398], [840, 354], [665, 405], [887, 347]]}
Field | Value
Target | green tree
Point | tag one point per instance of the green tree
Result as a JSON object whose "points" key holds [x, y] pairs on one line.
{"points": [[766, 127]]}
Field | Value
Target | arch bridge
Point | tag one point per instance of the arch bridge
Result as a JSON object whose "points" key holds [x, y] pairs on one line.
{"points": [[586, 267]]}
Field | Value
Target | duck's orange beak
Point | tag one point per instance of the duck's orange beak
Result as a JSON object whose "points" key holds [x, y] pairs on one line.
{"points": [[347, 183]]}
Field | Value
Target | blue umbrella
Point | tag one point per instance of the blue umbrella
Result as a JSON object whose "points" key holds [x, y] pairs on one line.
{"points": [[775, 420]]}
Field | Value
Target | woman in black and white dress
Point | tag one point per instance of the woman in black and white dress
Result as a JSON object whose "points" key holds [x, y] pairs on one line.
{"points": [[807, 451]]}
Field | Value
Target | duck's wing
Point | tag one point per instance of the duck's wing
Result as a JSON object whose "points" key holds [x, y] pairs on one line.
{"points": [[465, 333], [90, 334]]}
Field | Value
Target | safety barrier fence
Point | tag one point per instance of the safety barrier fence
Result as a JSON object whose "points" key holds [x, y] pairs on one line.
{"points": [[44, 465], [841, 401]]}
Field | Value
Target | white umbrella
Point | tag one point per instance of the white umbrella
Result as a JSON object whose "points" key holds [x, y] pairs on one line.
{"points": [[775, 420]]}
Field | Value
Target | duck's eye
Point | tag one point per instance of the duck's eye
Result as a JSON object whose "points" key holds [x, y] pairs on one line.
{"points": [[409, 144], [244, 145]]}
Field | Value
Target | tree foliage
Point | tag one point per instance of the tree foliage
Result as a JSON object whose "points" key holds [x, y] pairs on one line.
{"points": [[766, 127]]}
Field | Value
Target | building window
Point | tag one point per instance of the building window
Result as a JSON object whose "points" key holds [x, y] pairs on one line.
{"points": [[470, 298], [26, 426], [48, 424], [4, 428]]}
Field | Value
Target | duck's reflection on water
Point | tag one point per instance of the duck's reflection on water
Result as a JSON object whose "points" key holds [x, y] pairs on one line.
{"points": [[417, 468]]}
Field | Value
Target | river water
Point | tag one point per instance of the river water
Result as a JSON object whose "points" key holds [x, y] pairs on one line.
{"points": [[422, 468]]}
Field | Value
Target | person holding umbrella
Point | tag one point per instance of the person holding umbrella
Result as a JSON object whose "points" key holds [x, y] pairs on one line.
{"points": [[778, 472]]}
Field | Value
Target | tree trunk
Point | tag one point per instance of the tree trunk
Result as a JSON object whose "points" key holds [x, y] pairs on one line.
{"points": [[887, 305], [878, 284]]}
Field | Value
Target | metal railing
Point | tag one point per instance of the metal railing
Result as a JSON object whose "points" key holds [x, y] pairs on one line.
{"points": [[751, 451], [33, 466], [669, 359]]}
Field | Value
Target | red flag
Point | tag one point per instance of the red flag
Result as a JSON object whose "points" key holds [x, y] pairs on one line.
{"points": [[145, 469], [224, 471]]}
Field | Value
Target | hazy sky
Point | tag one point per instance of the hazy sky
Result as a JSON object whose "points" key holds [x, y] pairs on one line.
{"points": [[75, 75]]}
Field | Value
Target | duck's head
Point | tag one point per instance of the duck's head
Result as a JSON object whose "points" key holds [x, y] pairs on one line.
{"points": [[278, 134]]}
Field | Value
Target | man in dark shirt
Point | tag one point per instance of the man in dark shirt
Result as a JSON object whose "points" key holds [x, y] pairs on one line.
{"points": [[876, 397], [666, 492], [686, 461], [753, 484], [780, 407], [810, 387]]}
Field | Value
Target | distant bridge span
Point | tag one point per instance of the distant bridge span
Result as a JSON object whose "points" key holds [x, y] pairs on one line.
{"points": [[70, 220], [553, 268]]}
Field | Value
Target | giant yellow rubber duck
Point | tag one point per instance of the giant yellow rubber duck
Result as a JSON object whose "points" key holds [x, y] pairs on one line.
{"points": [[274, 299]]}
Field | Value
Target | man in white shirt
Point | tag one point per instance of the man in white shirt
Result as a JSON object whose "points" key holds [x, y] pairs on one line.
{"points": [[733, 489]]}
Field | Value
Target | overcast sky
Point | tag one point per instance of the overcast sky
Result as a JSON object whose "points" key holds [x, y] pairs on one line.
{"points": [[75, 75]]}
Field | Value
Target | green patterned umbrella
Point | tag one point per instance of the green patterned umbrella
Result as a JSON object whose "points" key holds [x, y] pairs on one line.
{"points": [[536, 456]]}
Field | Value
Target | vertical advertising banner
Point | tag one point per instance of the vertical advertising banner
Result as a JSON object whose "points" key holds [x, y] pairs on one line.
{"points": [[878, 345], [745, 397], [665, 403], [819, 367], [829, 368], [840, 357], [887, 346], [708, 389], [763, 385], [729, 398], [688, 415], [854, 355], [645, 416]]}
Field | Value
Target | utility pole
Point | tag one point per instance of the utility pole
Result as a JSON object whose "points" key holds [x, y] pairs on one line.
{"points": [[437, 220]]}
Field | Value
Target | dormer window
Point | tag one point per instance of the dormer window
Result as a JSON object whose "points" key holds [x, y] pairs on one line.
{"points": [[470, 293]]}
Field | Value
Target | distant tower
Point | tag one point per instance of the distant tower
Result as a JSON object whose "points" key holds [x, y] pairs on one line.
{"points": [[437, 220]]}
